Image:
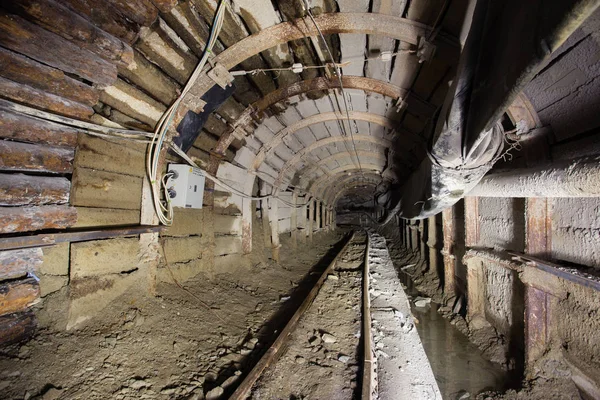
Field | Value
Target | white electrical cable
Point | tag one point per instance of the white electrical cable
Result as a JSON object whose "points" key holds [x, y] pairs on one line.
{"points": [[165, 212]]}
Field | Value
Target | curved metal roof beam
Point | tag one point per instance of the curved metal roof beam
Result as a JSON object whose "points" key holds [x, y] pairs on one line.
{"points": [[325, 142], [319, 84], [332, 193], [367, 23], [268, 147], [327, 173], [319, 186], [344, 192], [341, 156], [390, 26]]}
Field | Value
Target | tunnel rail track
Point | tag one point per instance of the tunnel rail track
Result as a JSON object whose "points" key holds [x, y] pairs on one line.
{"points": [[277, 349]]}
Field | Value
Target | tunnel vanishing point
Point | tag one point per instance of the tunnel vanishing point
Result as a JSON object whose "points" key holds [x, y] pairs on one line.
{"points": [[162, 159]]}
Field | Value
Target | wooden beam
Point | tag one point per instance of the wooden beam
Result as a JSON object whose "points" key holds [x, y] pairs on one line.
{"points": [[16, 156], [294, 220], [264, 212], [538, 235], [17, 327], [142, 12], [93, 188], [28, 190], [108, 19], [25, 219], [112, 155], [471, 221], [33, 41], [274, 219], [49, 239], [311, 219], [46, 101], [18, 295], [448, 232], [59, 19], [133, 102], [149, 77], [17, 263], [28, 129], [24, 70], [247, 216]]}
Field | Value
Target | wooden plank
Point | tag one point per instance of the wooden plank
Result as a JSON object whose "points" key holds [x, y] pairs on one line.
{"points": [[228, 245], [273, 352], [228, 224], [101, 257], [142, 12], [471, 221], [183, 249], [111, 155], [17, 327], [48, 239], [18, 295], [151, 79], [16, 156], [133, 102], [88, 217], [27, 129], [24, 70], [59, 19], [191, 28], [26, 219], [164, 6], [159, 48], [17, 263], [187, 222], [33, 41], [46, 101], [106, 18], [27, 190], [93, 188], [231, 33]]}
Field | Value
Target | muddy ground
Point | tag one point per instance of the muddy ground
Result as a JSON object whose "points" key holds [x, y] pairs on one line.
{"points": [[169, 346], [323, 355]]}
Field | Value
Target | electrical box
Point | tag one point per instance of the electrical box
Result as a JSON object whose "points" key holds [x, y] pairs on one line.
{"points": [[185, 186]]}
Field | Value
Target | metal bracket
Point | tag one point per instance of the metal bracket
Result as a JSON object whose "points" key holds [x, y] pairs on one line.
{"points": [[220, 75]]}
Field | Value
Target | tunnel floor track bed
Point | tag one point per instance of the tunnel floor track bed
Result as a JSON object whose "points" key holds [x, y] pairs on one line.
{"points": [[351, 338]]}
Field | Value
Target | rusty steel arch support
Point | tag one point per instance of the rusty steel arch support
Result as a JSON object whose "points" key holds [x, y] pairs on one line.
{"points": [[253, 111], [342, 155], [372, 24], [343, 191], [366, 23], [320, 185], [268, 147], [326, 178], [325, 142], [332, 192]]}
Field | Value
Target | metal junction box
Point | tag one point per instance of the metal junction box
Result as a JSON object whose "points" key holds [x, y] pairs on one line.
{"points": [[186, 186]]}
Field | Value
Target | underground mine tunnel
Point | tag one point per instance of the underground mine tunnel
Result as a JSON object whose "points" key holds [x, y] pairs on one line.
{"points": [[299, 199]]}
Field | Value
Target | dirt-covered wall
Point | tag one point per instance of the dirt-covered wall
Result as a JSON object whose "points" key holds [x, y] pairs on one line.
{"points": [[502, 223], [535, 318], [576, 231]]}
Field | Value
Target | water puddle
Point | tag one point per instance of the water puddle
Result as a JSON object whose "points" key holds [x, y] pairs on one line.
{"points": [[459, 367]]}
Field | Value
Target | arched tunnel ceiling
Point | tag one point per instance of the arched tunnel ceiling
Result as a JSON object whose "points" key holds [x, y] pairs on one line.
{"points": [[303, 135]]}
